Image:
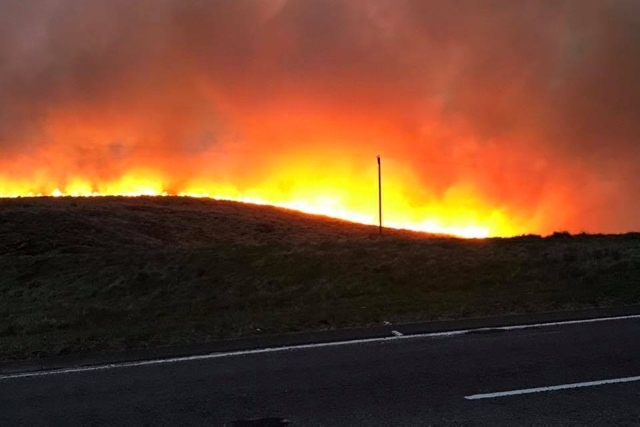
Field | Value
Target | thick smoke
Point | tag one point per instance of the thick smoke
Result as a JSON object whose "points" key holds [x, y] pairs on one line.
{"points": [[531, 107]]}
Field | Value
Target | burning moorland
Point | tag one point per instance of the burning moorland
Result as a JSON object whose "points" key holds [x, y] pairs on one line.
{"points": [[492, 118]]}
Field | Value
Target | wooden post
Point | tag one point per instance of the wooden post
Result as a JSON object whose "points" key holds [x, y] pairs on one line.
{"points": [[379, 197]]}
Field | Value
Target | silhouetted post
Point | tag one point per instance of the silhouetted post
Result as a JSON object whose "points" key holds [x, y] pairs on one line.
{"points": [[379, 196]]}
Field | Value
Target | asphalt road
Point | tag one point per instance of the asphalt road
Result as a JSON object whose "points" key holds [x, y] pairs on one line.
{"points": [[400, 381]]}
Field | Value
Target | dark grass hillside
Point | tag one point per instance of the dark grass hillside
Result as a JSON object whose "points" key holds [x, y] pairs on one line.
{"points": [[113, 273]]}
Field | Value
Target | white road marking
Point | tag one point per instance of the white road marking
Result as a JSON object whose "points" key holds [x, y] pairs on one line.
{"points": [[397, 333], [551, 388], [300, 347]]}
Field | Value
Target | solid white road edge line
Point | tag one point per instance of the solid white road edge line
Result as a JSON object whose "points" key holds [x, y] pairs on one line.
{"points": [[301, 347], [551, 388]]}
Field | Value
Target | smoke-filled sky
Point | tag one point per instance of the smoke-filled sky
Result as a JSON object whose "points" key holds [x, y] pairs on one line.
{"points": [[499, 116]]}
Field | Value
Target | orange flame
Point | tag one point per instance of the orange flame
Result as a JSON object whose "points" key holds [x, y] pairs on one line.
{"points": [[349, 196]]}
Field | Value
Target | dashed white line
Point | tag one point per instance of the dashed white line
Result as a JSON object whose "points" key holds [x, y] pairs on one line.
{"points": [[551, 388], [300, 347], [397, 333]]}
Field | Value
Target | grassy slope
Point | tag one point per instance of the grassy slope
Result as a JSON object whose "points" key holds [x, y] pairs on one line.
{"points": [[91, 274]]}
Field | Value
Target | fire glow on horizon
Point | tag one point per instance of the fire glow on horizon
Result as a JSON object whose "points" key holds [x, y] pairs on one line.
{"points": [[321, 200], [434, 226], [492, 118]]}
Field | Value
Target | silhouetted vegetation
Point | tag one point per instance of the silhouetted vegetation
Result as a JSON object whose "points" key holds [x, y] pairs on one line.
{"points": [[561, 235]]}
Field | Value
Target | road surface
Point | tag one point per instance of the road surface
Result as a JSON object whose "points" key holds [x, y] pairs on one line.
{"points": [[497, 377]]}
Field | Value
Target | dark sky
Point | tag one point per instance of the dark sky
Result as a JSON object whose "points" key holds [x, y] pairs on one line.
{"points": [[526, 108]]}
